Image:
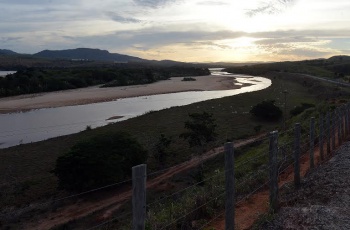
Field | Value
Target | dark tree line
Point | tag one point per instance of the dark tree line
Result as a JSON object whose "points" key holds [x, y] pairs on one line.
{"points": [[35, 80]]}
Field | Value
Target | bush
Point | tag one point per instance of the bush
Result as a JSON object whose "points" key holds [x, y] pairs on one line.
{"points": [[301, 108], [189, 79], [99, 161], [201, 129], [267, 110]]}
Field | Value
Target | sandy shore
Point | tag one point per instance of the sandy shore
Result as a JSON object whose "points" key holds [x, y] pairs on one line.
{"points": [[95, 94]]}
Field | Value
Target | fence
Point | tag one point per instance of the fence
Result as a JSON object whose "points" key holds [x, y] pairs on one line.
{"points": [[331, 132], [239, 174]]}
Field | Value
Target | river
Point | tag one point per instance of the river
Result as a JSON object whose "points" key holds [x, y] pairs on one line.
{"points": [[4, 73], [41, 124]]}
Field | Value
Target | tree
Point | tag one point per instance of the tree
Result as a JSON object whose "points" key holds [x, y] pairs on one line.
{"points": [[201, 129], [267, 110], [99, 161]]}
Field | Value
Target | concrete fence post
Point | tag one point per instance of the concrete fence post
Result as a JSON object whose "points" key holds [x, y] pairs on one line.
{"points": [[328, 134], [273, 150], [321, 141], [339, 127], [333, 129], [139, 197], [297, 131], [346, 108], [229, 186], [346, 121], [343, 123], [312, 142]]}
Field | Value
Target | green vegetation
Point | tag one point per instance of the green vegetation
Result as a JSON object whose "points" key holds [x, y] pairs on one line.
{"points": [[201, 129], [188, 79], [267, 110], [232, 121], [162, 147], [301, 108], [100, 160], [35, 80]]}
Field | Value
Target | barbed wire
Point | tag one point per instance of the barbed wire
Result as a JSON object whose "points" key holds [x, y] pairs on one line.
{"points": [[189, 187], [83, 193], [183, 216]]}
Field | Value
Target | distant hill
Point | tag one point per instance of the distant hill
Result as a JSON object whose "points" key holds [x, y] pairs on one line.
{"points": [[7, 52], [339, 59], [87, 54], [335, 67]]}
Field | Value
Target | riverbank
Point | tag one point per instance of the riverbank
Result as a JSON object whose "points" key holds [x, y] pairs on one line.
{"points": [[96, 94]]}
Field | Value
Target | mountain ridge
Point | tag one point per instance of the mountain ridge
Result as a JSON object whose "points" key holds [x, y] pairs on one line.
{"points": [[7, 52], [87, 54]]}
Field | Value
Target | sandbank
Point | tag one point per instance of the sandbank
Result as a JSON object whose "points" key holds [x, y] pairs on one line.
{"points": [[96, 94]]}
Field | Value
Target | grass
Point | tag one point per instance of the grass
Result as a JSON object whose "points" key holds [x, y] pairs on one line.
{"points": [[25, 171]]}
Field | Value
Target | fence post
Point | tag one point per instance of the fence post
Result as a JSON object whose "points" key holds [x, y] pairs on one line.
{"points": [[297, 130], [328, 134], [321, 137], [343, 123], [339, 127], [312, 142], [139, 197], [230, 187], [333, 129], [340, 133], [273, 149], [346, 121]]}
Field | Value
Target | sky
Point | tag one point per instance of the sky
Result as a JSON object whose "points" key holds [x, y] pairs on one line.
{"points": [[181, 30]]}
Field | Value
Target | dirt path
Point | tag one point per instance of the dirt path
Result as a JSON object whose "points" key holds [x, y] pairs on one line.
{"points": [[109, 204], [248, 211]]}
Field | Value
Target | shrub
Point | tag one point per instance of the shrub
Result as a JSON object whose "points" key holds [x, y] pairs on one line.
{"points": [[201, 129], [99, 161], [301, 108], [189, 79], [267, 110]]}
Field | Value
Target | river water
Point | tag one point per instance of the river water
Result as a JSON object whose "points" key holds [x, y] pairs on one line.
{"points": [[4, 73], [41, 124]]}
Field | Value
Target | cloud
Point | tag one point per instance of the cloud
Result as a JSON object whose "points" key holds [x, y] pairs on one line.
{"points": [[212, 3], [206, 45], [118, 18], [270, 7], [157, 37], [298, 39], [309, 52], [153, 3], [9, 39]]}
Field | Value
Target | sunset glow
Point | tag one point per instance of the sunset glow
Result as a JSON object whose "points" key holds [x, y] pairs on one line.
{"points": [[194, 30]]}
